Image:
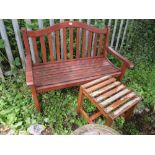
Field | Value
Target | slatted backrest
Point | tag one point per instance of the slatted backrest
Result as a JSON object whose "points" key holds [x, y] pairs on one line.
{"points": [[79, 41]]}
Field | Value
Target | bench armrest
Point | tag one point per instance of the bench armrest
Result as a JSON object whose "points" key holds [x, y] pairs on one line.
{"points": [[29, 74], [121, 58]]}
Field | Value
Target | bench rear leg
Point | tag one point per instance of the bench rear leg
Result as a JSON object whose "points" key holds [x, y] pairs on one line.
{"points": [[35, 98]]}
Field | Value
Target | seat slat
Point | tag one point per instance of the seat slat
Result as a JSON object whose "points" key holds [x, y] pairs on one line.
{"points": [[120, 102], [125, 107], [65, 68], [100, 91], [71, 42], [100, 85], [64, 44], [50, 47], [43, 49], [67, 63], [65, 84], [109, 93], [58, 45], [113, 98], [70, 76], [96, 81]]}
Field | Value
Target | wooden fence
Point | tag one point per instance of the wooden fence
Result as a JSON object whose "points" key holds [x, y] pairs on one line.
{"points": [[119, 29]]}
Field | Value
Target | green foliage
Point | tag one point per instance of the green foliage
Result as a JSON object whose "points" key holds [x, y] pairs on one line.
{"points": [[18, 112], [141, 40], [33, 26], [119, 122], [131, 129], [1, 43]]}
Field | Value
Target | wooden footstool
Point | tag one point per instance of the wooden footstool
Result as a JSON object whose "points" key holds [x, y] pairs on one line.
{"points": [[111, 98]]}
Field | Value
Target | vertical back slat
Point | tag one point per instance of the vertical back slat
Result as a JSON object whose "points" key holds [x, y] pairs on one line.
{"points": [[50, 47], [95, 43], [78, 43], [100, 45], [43, 49], [90, 43], [71, 42], [35, 50], [87, 35], [58, 45], [83, 43], [64, 43], [106, 42]]}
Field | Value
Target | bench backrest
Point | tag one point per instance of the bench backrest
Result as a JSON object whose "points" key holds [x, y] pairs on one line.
{"points": [[79, 41]]}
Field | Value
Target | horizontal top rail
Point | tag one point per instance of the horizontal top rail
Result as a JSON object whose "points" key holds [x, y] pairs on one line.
{"points": [[69, 24]]}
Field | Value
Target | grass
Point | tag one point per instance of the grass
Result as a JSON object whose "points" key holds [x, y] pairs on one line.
{"points": [[17, 109]]}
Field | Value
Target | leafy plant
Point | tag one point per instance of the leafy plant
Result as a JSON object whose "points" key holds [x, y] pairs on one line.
{"points": [[1, 43]]}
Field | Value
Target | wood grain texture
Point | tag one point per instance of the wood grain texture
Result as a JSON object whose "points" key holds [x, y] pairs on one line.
{"points": [[83, 43], [71, 42], [43, 49], [50, 43], [35, 50], [64, 44], [58, 45], [78, 43]]}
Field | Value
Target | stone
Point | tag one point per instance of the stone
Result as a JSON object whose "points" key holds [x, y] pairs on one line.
{"points": [[11, 132], [36, 129]]}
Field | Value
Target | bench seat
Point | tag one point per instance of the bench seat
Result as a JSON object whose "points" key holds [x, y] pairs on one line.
{"points": [[71, 73]]}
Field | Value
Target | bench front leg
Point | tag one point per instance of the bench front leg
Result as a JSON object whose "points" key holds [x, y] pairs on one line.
{"points": [[123, 70], [35, 98]]}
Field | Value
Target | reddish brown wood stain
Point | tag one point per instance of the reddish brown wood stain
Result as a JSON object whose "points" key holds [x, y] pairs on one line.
{"points": [[73, 70]]}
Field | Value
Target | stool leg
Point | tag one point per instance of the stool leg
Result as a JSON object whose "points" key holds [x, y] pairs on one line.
{"points": [[80, 100], [129, 113], [108, 122]]}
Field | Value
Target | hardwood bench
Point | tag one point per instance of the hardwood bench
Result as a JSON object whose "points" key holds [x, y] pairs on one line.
{"points": [[78, 61]]}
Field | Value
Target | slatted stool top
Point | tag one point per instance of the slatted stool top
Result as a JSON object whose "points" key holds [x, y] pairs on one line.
{"points": [[111, 95]]}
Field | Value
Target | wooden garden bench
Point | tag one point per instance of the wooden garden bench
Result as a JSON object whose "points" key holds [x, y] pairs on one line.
{"points": [[77, 62]]}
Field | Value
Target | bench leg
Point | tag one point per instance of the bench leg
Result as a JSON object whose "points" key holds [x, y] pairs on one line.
{"points": [[123, 69], [35, 98], [80, 100]]}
